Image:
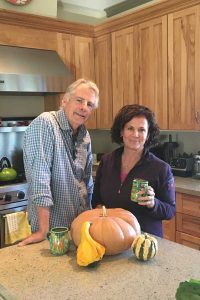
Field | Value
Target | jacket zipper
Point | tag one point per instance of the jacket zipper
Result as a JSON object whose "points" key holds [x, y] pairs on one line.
{"points": [[119, 190]]}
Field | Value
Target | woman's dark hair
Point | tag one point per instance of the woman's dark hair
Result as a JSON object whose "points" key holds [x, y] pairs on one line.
{"points": [[126, 114]]}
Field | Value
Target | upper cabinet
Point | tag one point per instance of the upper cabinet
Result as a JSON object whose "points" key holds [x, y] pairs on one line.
{"points": [[152, 66], [103, 75], [184, 69], [84, 66], [139, 67], [123, 63], [65, 49], [150, 56], [77, 53]]}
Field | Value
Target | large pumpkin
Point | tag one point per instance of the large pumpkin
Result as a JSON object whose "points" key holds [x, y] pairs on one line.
{"points": [[113, 228]]}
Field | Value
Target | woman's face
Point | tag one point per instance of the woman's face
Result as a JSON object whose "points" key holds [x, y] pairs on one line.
{"points": [[135, 133]]}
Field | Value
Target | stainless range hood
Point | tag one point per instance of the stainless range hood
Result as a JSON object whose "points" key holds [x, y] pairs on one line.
{"points": [[32, 71]]}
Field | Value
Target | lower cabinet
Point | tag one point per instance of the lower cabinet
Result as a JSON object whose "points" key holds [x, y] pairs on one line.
{"points": [[188, 240], [169, 229], [185, 227], [188, 220]]}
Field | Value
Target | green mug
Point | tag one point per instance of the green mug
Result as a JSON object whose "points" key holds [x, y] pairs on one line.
{"points": [[59, 240]]}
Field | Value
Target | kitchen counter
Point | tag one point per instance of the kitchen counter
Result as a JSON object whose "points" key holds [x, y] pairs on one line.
{"points": [[187, 185], [31, 273]]}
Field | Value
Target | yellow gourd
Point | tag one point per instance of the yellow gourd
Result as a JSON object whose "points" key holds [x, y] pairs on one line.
{"points": [[89, 251]]}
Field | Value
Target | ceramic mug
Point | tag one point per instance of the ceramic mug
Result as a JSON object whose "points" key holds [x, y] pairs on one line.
{"points": [[59, 240]]}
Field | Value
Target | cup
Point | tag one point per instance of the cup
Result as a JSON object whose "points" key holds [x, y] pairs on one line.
{"points": [[58, 238], [137, 185]]}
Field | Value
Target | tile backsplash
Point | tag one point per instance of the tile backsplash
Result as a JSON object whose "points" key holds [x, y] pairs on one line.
{"points": [[189, 142], [21, 106]]}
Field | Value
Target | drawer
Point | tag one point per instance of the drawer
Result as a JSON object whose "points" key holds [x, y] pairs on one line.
{"points": [[188, 224], [188, 204], [188, 240]]}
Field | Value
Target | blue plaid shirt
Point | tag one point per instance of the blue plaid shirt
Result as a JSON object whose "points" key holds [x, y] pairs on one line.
{"points": [[58, 169]]}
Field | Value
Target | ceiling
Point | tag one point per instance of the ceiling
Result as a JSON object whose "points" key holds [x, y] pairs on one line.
{"points": [[85, 11], [91, 4], [91, 12]]}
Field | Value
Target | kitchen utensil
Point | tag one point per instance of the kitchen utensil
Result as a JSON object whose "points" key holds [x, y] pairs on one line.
{"points": [[6, 172], [59, 240]]}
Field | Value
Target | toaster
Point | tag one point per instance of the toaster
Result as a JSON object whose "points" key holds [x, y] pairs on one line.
{"points": [[182, 166]]}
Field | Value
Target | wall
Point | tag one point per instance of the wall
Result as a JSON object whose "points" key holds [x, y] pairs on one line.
{"points": [[21, 106], [46, 8]]}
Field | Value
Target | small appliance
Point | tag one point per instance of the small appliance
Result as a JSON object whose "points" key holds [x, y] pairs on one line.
{"points": [[182, 166], [196, 169]]}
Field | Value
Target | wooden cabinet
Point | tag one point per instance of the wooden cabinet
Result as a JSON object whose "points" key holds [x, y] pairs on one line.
{"points": [[12, 35], [124, 86], [150, 56], [65, 49], [184, 68], [103, 75], [169, 229], [84, 66], [78, 55], [152, 60], [188, 240], [139, 67], [188, 220]]}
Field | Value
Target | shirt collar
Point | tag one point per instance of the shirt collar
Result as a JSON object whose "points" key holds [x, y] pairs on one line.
{"points": [[65, 125]]}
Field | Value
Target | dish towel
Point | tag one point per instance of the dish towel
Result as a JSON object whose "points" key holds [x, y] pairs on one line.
{"points": [[16, 227]]}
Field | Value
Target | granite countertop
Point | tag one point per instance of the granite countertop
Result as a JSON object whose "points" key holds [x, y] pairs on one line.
{"points": [[31, 272], [187, 185]]}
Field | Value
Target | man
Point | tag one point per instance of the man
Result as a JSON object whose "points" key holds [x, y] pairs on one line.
{"points": [[58, 161]]}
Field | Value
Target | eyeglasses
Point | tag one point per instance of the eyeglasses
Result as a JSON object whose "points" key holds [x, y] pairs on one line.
{"points": [[81, 101]]}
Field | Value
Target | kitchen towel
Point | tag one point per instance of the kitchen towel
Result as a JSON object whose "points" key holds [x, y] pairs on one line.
{"points": [[16, 227]]}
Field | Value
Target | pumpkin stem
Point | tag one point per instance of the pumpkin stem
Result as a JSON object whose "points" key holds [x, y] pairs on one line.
{"points": [[103, 212]]}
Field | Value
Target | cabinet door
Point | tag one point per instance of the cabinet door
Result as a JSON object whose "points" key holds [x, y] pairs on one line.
{"points": [[188, 204], [188, 224], [65, 49], [169, 229], [84, 65], [124, 83], [183, 72], [188, 240], [103, 74], [152, 59]]}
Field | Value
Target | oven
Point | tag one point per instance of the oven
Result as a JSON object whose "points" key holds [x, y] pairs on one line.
{"points": [[13, 198]]}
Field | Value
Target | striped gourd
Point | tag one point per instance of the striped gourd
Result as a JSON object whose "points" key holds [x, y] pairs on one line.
{"points": [[145, 246]]}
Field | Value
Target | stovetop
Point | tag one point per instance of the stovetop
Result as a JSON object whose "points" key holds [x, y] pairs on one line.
{"points": [[13, 194]]}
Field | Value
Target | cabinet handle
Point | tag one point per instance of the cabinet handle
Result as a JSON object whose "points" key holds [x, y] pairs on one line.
{"points": [[197, 116]]}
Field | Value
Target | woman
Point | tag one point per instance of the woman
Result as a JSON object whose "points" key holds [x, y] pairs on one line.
{"points": [[135, 128]]}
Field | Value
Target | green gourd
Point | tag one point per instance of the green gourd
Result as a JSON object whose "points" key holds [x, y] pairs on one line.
{"points": [[145, 246]]}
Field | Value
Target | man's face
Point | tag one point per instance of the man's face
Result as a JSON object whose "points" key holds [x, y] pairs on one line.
{"points": [[80, 106]]}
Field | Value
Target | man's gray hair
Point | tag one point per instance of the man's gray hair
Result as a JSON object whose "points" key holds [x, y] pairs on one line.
{"points": [[90, 84]]}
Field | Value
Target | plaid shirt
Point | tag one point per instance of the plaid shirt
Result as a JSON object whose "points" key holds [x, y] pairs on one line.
{"points": [[56, 178]]}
